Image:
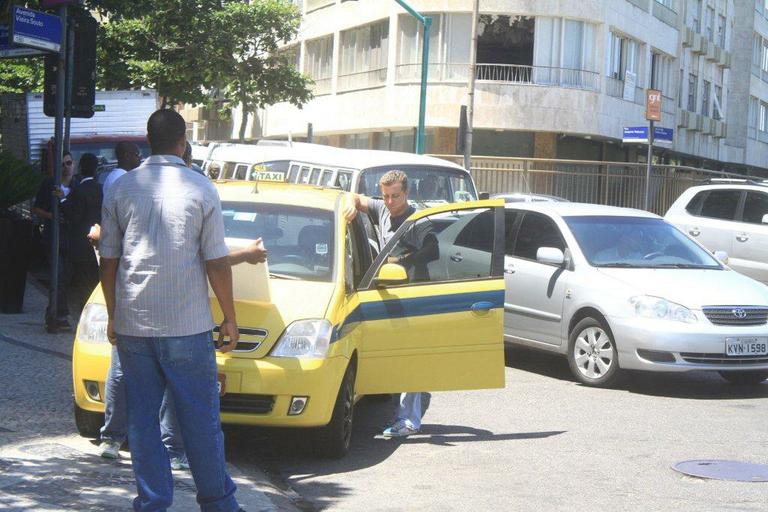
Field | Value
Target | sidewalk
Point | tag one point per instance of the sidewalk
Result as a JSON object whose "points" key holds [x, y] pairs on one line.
{"points": [[44, 464]]}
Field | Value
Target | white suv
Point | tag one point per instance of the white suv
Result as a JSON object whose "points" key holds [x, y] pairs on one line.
{"points": [[728, 216]]}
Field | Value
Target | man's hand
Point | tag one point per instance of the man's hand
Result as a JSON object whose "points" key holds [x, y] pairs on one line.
{"points": [[256, 252], [227, 329], [94, 235], [350, 207], [111, 336]]}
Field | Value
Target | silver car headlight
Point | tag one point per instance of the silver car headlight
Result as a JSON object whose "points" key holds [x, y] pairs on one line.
{"points": [[646, 306], [305, 339], [93, 324]]}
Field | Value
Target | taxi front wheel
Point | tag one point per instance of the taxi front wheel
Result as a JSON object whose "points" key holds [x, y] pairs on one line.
{"points": [[334, 439], [88, 423]]}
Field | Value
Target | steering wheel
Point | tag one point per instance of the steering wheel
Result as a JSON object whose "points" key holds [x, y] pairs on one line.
{"points": [[654, 254]]}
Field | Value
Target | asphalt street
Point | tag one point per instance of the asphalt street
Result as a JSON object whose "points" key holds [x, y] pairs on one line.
{"points": [[543, 442]]}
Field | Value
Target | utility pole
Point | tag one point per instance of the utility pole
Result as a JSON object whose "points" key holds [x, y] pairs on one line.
{"points": [[471, 92]]}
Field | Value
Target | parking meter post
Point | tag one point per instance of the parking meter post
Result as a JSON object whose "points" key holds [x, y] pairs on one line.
{"points": [[650, 163], [57, 156], [70, 29]]}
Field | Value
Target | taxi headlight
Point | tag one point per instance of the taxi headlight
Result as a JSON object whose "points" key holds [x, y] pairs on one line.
{"points": [[305, 339], [93, 324], [646, 306]]}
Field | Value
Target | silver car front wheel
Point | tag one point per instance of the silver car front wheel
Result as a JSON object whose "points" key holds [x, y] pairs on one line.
{"points": [[592, 353]]}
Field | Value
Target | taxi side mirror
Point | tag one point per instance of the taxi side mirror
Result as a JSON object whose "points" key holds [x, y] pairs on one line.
{"points": [[390, 274], [484, 195]]}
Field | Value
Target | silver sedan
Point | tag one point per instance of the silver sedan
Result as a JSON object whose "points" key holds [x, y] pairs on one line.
{"points": [[616, 289]]}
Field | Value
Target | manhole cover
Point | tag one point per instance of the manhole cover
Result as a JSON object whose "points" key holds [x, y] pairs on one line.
{"points": [[732, 470]]}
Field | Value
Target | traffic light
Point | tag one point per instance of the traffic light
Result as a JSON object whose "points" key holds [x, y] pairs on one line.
{"points": [[83, 72]]}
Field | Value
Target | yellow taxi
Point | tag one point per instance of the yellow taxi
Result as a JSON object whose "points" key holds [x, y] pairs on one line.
{"points": [[330, 318]]}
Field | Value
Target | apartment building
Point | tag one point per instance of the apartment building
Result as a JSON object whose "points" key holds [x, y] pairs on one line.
{"points": [[555, 78]]}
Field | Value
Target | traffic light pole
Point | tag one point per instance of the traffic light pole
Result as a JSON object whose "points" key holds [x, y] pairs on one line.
{"points": [[68, 83], [57, 155]]}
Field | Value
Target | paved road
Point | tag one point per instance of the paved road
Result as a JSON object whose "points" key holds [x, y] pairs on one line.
{"points": [[542, 443]]}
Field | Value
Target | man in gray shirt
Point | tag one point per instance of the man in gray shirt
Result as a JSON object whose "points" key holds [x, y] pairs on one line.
{"points": [[162, 233]]}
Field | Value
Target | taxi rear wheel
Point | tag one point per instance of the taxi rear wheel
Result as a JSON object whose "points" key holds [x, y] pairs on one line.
{"points": [[750, 378], [335, 438], [88, 423]]}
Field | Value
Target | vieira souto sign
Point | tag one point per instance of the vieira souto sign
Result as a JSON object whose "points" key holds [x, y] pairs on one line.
{"points": [[35, 29], [12, 51], [639, 134]]}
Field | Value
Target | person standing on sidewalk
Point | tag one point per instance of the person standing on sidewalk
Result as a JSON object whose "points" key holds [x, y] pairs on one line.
{"points": [[43, 208], [389, 214], [162, 232], [128, 158]]}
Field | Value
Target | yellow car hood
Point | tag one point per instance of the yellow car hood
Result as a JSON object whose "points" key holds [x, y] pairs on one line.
{"points": [[262, 323]]}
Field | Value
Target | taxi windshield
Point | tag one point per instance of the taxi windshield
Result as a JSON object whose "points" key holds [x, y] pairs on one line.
{"points": [[427, 185], [299, 240]]}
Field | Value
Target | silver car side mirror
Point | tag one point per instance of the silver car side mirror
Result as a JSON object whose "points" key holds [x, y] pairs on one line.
{"points": [[550, 256]]}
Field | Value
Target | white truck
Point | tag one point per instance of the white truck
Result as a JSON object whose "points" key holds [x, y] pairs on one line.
{"points": [[120, 115]]}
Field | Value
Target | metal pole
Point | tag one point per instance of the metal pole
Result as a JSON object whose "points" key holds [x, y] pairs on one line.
{"points": [[471, 93], [68, 84], [423, 93], [426, 22], [648, 168], [310, 133], [57, 156]]}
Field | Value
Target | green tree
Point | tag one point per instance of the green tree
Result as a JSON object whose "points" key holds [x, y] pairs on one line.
{"points": [[21, 75], [185, 49], [245, 57]]}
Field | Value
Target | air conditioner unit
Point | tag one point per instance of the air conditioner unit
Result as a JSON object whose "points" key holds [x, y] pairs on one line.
{"points": [[720, 130], [695, 122], [688, 37], [707, 125], [699, 44], [682, 120], [712, 52], [726, 60]]}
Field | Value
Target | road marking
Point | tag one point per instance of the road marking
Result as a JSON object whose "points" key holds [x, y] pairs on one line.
{"points": [[29, 346]]}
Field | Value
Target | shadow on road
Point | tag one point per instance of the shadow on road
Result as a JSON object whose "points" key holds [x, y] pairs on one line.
{"points": [[289, 458], [695, 385]]}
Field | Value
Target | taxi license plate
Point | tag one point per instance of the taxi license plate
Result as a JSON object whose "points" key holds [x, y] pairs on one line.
{"points": [[221, 383], [735, 347]]}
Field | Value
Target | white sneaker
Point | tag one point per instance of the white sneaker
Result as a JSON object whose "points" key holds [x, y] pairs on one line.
{"points": [[109, 450], [400, 428], [179, 463]]}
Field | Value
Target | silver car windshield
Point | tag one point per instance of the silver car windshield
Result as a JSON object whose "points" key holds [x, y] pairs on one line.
{"points": [[636, 242], [427, 185]]}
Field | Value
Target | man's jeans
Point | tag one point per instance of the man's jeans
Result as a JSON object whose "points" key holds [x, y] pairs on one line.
{"points": [[409, 408], [115, 427], [187, 366]]}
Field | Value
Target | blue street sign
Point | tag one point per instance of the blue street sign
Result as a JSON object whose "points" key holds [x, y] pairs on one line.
{"points": [[639, 135], [35, 29], [8, 50]]}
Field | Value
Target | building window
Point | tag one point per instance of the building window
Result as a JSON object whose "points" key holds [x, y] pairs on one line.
{"points": [[752, 117], [764, 55], [705, 98], [692, 84], [694, 20], [710, 23], [316, 4], [623, 56], [763, 117], [661, 73], [757, 53], [363, 56], [667, 3], [318, 63], [717, 111], [564, 53], [721, 28]]}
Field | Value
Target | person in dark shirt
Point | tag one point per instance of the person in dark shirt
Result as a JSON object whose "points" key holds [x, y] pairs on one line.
{"points": [[43, 208], [81, 209]]}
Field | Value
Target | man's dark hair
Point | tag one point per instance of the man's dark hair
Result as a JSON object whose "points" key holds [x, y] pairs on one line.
{"points": [[165, 128], [123, 150], [66, 153], [88, 164]]}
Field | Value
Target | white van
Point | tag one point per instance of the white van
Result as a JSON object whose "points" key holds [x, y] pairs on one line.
{"points": [[432, 180]]}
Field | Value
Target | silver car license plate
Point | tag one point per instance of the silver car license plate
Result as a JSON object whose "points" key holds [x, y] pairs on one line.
{"points": [[735, 347]]}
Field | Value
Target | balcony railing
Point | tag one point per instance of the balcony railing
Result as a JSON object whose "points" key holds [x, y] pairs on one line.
{"points": [[504, 73], [322, 86], [362, 79], [615, 88]]}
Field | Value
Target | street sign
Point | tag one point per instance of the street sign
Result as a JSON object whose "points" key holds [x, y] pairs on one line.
{"points": [[35, 29], [653, 105], [11, 51], [639, 135]]}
